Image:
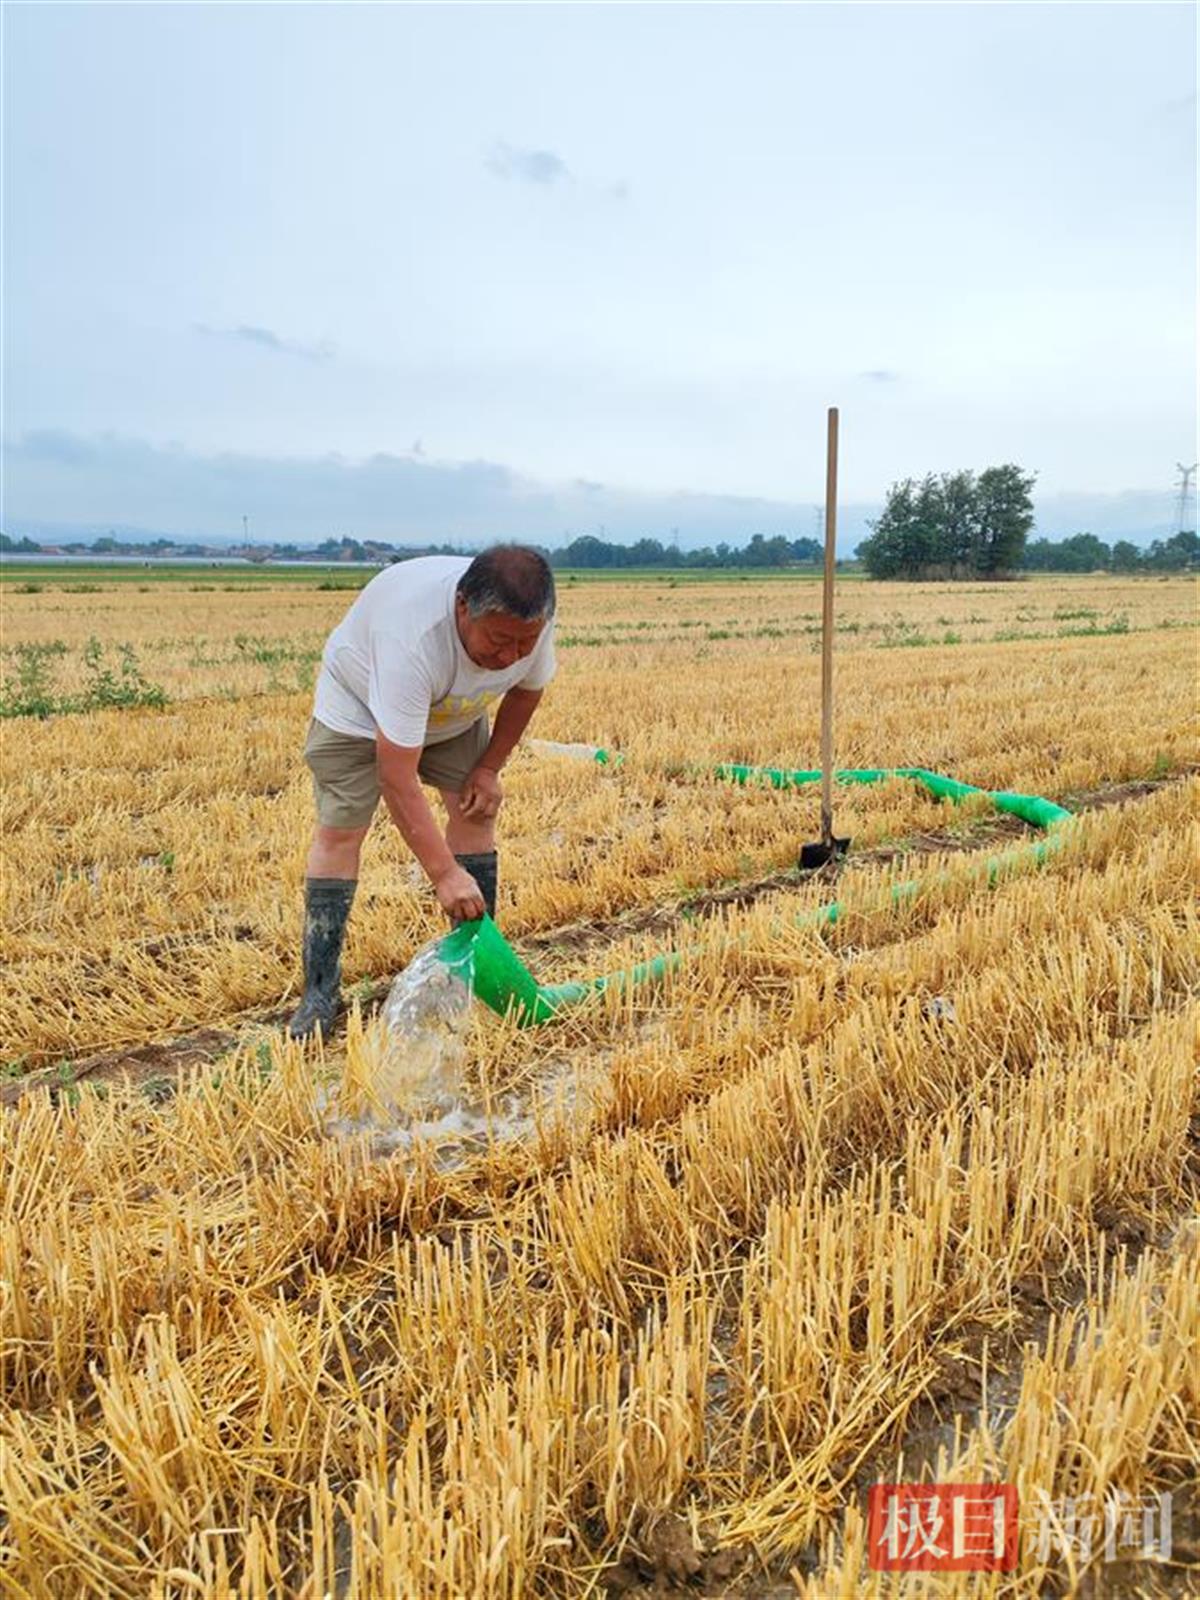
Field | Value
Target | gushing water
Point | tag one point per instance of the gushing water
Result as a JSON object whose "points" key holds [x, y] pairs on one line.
{"points": [[424, 1022], [409, 1068], [405, 1082]]}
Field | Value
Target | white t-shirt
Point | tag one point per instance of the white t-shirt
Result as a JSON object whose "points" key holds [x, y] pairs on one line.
{"points": [[395, 662]]}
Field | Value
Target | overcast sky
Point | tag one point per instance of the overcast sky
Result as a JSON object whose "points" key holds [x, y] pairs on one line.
{"points": [[555, 262]]}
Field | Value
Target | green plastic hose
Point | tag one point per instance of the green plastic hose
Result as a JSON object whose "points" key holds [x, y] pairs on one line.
{"points": [[481, 955]]}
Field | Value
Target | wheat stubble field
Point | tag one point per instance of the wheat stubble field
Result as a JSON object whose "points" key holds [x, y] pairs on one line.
{"points": [[753, 1233]]}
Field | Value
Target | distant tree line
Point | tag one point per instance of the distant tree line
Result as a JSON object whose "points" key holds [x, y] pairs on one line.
{"points": [[1083, 552], [956, 525], [107, 545], [588, 551], [949, 527], [335, 549]]}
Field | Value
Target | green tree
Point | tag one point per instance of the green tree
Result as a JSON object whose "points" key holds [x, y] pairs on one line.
{"points": [[762, 552], [955, 504], [1005, 510], [1126, 557], [1176, 554], [586, 551], [1082, 552], [649, 553], [1039, 556], [902, 544], [954, 526]]}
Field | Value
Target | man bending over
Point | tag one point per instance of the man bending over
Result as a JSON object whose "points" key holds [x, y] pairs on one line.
{"points": [[406, 683]]}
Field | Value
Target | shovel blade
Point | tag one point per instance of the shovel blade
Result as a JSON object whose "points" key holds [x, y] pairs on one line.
{"points": [[820, 854]]}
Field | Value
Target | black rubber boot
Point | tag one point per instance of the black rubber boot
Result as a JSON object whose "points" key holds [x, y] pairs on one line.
{"points": [[482, 868], [327, 904]]}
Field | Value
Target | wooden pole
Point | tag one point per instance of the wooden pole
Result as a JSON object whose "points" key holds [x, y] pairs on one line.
{"points": [[831, 463]]}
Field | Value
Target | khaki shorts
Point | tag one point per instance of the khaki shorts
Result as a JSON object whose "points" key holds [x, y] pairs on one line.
{"points": [[346, 779]]}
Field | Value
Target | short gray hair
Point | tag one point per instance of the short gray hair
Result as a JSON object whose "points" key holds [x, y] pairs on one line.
{"points": [[512, 578]]}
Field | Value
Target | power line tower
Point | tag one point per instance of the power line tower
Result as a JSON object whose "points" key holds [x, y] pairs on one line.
{"points": [[1186, 495]]}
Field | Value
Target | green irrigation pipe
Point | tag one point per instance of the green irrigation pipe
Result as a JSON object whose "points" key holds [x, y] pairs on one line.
{"points": [[479, 952]]}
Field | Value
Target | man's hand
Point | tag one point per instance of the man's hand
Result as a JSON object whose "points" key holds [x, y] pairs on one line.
{"points": [[481, 795], [458, 895]]}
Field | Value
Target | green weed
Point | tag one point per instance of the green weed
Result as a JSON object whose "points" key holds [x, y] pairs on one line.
{"points": [[32, 694], [1118, 624], [68, 1088], [127, 686]]}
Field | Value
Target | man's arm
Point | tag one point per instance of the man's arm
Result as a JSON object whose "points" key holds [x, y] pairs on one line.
{"points": [[457, 891], [512, 719], [481, 794]]}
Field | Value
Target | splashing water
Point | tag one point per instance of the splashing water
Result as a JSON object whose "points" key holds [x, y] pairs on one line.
{"points": [[424, 1021], [405, 1083], [410, 1063]]}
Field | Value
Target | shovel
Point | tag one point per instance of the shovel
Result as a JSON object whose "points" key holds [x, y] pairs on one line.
{"points": [[827, 848]]}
